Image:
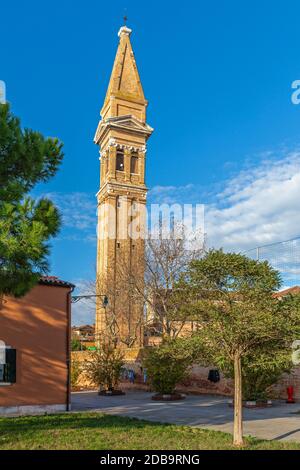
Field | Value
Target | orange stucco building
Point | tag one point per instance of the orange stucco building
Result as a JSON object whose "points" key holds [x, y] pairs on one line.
{"points": [[35, 331]]}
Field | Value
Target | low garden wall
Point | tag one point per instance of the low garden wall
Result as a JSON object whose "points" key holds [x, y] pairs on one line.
{"points": [[131, 363], [287, 380], [197, 382]]}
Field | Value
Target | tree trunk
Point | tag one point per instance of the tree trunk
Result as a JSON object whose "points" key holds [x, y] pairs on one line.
{"points": [[238, 404]]}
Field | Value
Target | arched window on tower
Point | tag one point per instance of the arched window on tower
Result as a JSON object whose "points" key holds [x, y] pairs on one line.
{"points": [[134, 163], [120, 160]]}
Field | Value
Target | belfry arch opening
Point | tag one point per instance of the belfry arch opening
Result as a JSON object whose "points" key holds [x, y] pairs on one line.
{"points": [[120, 160], [134, 162]]}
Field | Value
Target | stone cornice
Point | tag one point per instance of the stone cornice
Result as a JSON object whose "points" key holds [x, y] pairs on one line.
{"points": [[130, 148], [127, 124], [121, 189]]}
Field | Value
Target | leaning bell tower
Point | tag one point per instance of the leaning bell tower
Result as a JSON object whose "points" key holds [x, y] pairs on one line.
{"points": [[122, 135]]}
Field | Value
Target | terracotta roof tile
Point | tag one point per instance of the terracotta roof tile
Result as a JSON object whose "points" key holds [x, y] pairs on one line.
{"points": [[288, 291], [55, 281]]}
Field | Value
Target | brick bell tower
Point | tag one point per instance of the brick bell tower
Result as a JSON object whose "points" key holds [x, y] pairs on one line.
{"points": [[122, 134]]}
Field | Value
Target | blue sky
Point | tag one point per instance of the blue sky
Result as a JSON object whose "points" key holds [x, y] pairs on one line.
{"points": [[218, 79]]}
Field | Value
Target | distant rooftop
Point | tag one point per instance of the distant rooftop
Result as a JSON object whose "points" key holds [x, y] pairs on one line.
{"points": [[83, 327], [288, 291]]}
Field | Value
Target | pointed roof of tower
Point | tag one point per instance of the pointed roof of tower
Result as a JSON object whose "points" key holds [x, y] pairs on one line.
{"points": [[125, 80]]}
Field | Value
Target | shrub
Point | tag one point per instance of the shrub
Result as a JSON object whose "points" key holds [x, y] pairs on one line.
{"points": [[260, 372], [76, 345], [75, 371], [104, 367], [167, 365], [257, 380], [256, 384]]}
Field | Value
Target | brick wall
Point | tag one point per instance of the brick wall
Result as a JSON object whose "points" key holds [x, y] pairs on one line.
{"points": [[288, 380], [197, 382]]}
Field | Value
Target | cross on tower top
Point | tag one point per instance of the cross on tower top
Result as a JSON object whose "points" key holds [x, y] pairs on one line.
{"points": [[125, 18]]}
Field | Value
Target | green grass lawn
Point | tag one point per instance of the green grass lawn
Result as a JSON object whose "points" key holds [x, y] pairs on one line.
{"points": [[103, 432]]}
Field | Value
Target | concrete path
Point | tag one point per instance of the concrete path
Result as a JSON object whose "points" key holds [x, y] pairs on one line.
{"points": [[279, 422]]}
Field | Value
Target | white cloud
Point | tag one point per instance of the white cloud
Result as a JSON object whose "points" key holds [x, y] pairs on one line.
{"points": [[79, 215], [83, 312], [258, 206], [78, 209], [171, 194]]}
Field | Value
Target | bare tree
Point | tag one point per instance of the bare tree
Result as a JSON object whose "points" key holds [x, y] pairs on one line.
{"points": [[160, 307], [120, 326], [165, 259]]}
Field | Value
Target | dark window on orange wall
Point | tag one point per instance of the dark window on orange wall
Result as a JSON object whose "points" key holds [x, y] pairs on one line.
{"points": [[120, 160], [8, 370], [134, 164]]}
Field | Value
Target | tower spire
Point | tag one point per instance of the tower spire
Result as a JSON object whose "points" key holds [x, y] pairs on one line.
{"points": [[122, 136], [125, 93]]}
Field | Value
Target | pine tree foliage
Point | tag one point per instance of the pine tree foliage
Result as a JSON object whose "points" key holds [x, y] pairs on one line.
{"points": [[26, 225]]}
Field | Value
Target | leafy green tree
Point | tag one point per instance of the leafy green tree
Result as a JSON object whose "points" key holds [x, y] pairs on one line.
{"points": [[26, 225], [167, 364], [230, 295]]}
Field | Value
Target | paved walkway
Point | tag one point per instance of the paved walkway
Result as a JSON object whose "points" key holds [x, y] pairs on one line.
{"points": [[279, 422]]}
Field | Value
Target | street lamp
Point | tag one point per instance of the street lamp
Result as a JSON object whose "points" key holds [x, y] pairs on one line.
{"points": [[105, 301], [77, 298]]}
